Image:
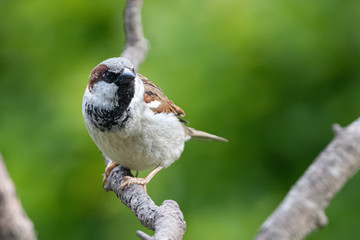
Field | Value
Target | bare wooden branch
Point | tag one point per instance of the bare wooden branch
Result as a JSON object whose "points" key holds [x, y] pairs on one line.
{"points": [[14, 224], [303, 209], [136, 45], [166, 220]]}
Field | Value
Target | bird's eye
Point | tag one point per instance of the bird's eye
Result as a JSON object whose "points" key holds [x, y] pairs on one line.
{"points": [[109, 76]]}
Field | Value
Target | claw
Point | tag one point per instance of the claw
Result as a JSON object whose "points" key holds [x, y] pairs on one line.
{"points": [[140, 181], [111, 165], [133, 180]]}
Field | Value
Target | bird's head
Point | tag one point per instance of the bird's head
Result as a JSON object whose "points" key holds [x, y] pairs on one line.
{"points": [[111, 76]]}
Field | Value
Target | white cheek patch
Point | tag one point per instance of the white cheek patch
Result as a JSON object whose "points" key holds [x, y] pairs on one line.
{"points": [[104, 94], [104, 89], [153, 104]]}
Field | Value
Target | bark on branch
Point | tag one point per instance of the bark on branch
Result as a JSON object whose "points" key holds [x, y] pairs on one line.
{"points": [[303, 209], [166, 220], [14, 224], [136, 46]]}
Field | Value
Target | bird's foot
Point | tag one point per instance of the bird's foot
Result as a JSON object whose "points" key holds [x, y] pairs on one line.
{"points": [[134, 180], [140, 181], [111, 165]]}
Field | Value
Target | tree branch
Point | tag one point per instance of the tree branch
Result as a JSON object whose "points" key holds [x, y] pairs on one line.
{"points": [[303, 209], [166, 220], [136, 46], [14, 224]]}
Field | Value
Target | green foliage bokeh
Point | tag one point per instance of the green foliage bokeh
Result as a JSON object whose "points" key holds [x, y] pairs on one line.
{"points": [[271, 76]]}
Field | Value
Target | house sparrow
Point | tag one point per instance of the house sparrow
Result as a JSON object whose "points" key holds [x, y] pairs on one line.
{"points": [[132, 122]]}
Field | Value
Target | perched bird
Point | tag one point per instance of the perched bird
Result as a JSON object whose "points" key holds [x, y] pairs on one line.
{"points": [[132, 122]]}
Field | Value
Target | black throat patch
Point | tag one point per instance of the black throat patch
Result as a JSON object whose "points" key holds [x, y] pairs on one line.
{"points": [[106, 119]]}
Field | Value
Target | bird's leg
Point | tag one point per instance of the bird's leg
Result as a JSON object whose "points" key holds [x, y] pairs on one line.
{"points": [[111, 165], [140, 181]]}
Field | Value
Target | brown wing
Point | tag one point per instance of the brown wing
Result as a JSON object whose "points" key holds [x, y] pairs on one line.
{"points": [[156, 99]]}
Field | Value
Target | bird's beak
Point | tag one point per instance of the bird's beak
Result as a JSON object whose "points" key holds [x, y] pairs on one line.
{"points": [[126, 76]]}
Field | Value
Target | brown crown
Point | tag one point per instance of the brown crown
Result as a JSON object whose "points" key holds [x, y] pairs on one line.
{"points": [[96, 75]]}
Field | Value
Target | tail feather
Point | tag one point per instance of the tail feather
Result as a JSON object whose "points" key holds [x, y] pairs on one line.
{"points": [[203, 135]]}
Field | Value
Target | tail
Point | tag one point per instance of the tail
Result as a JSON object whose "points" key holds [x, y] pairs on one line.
{"points": [[203, 135]]}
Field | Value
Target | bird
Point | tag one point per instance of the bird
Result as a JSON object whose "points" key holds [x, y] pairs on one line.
{"points": [[132, 122]]}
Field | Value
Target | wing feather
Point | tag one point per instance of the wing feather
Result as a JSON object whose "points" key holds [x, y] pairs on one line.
{"points": [[156, 99]]}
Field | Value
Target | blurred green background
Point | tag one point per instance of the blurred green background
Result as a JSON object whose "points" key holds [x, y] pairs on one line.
{"points": [[271, 76]]}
